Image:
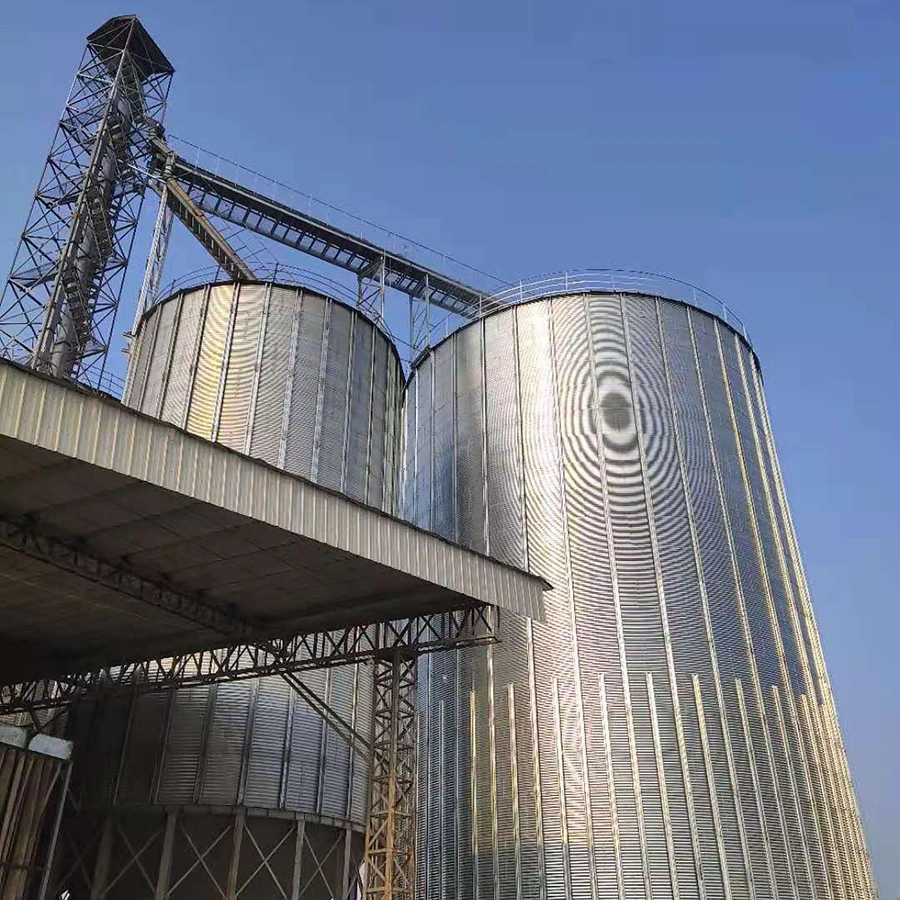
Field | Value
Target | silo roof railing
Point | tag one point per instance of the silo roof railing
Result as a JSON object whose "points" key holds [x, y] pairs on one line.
{"points": [[275, 272], [614, 280]]}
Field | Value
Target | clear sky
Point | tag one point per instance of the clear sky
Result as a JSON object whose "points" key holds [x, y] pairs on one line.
{"points": [[751, 148]]}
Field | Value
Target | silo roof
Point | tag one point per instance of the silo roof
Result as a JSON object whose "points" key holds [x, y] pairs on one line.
{"points": [[244, 549]]}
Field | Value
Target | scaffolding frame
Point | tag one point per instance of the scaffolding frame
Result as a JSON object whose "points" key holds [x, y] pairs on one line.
{"points": [[391, 831]]}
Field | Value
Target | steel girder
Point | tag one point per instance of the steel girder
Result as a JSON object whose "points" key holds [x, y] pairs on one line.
{"points": [[69, 556], [59, 305], [471, 626]]}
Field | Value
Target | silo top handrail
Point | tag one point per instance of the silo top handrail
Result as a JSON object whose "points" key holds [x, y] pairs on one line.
{"points": [[614, 280], [277, 273]]}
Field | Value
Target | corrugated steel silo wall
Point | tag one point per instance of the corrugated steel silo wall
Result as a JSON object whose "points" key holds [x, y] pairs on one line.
{"points": [[280, 373], [311, 386], [669, 731]]}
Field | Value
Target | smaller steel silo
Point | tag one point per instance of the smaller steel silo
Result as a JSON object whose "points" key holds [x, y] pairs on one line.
{"points": [[238, 788]]}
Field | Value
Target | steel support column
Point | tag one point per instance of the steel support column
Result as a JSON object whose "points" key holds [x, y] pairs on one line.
{"points": [[390, 836], [420, 320], [371, 286], [156, 259]]}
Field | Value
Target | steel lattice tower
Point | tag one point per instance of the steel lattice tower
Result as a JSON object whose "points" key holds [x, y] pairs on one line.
{"points": [[59, 306]]}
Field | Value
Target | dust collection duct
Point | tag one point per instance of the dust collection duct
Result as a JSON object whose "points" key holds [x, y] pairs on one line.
{"points": [[669, 731], [241, 787]]}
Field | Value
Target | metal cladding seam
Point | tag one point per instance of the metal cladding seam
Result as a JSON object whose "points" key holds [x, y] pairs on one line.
{"points": [[669, 731]]}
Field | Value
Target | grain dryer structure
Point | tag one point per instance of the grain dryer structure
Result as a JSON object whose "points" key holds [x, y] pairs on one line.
{"points": [[669, 731]]}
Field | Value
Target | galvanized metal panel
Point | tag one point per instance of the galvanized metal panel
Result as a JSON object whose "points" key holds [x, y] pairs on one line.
{"points": [[504, 455], [334, 398], [158, 368], [305, 766], [423, 451], [275, 370], [267, 744], [336, 754], [470, 511], [443, 431], [142, 355], [146, 735], [383, 408], [204, 397], [224, 752], [393, 438], [182, 754], [234, 416], [407, 483], [181, 374], [300, 439], [359, 412]]}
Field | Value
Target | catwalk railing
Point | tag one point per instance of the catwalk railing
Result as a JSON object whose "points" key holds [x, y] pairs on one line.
{"points": [[576, 281]]}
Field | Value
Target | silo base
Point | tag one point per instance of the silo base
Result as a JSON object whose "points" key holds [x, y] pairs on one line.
{"points": [[203, 853]]}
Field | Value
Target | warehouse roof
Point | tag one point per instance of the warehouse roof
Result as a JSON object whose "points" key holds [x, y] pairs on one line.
{"points": [[124, 538]]}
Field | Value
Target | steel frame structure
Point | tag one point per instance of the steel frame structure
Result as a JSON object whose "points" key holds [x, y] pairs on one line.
{"points": [[27, 538], [239, 205], [156, 259], [471, 626], [390, 836], [392, 647], [376, 268], [155, 853], [33, 788], [59, 306]]}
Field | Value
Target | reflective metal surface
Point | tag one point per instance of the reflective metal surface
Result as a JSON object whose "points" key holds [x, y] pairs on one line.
{"points": [[669, 731], [281, 373]]}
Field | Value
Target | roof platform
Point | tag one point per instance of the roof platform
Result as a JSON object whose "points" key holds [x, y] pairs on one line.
{"points": [[124, 538], [127, 33]]}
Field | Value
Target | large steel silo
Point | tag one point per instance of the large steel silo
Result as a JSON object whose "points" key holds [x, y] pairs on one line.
{"points": [[669, 731], [240, 789]]}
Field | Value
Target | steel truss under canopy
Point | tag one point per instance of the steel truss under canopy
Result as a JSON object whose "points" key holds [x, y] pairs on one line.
{"points": [[475, 625]]}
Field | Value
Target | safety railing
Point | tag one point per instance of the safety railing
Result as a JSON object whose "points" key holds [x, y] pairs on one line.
{"points": [[614, 280], [278, 272]]}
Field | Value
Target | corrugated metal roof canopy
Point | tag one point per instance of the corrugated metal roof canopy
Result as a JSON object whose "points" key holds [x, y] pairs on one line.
{"points": [[241, 541]]}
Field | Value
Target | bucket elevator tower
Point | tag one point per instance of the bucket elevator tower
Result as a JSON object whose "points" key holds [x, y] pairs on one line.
{"points": [[58, 310]]}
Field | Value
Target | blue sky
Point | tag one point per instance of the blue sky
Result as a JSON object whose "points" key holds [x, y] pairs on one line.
{"points": [[753, 149]]}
